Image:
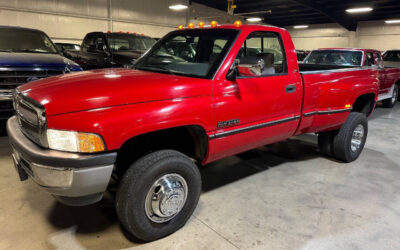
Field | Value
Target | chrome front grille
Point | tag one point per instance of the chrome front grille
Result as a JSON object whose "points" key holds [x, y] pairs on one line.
{"points": [[10, 78], [31, 118]]}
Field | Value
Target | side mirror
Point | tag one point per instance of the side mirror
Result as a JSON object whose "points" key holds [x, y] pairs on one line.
{"points": [[232, 74]]}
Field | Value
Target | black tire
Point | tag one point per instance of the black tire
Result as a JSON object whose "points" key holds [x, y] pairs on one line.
{"points": [[325, 143], [389, 103], [139, 179], [342, 147]]}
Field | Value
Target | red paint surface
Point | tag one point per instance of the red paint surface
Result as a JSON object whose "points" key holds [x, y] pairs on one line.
{"points": [[120, 104]]}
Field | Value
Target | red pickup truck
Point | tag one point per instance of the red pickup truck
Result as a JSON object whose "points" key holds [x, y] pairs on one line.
{"points": [[389, 77], [150, 128]]}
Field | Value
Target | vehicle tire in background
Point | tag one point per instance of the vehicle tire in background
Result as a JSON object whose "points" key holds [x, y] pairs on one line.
{"points": [[389, 103], [325, 142], [158, 194], [349, 141]]}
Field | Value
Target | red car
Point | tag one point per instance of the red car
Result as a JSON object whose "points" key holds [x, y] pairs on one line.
{"points": [[389, 77], [153, 126]]}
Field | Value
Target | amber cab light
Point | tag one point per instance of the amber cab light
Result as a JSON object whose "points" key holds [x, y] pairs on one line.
{"points": [[201, 24], [214, 24], [237, 23], [180, 27], [191, 26]]}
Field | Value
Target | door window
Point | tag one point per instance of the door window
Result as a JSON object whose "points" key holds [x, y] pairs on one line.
{"points": [[262, 54], [369, 61]]}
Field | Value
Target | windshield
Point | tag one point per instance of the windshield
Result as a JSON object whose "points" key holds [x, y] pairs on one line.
{"points": [[127, 42], [393, 56], [20, 40], [334, 57], [68, 46], [196, 53]]}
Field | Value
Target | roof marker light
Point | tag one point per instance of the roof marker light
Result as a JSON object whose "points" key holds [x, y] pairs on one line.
{"points": [[191, 25], [201, 24], [214, 24], [180, 27], [237, 23]]}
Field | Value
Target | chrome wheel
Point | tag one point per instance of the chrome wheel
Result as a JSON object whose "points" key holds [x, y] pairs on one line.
{"points": [[166, 198], [357, 138], [395, 94]]}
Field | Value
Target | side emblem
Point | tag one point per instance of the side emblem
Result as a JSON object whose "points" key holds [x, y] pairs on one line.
{"points": [[229, 123]]}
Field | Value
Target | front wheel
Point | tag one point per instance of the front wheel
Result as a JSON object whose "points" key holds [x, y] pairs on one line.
{"points": [[158, 194], [351, 137], [389, 103]]}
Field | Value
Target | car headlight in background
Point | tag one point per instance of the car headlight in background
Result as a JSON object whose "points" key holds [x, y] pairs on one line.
{"points": [[75, 141]]}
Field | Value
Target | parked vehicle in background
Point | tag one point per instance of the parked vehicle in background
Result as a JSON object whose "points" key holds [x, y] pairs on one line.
{"points": [[110, 50], [392, 58], [389, 77], [301, 55], [26, 55], [152, 126], [63, 47]]}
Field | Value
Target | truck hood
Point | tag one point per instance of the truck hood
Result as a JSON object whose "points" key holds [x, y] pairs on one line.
{"points": [[110, 87], [37, 60]]}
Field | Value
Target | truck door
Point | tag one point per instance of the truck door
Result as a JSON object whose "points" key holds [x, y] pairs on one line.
{"points": [[260, 106], [384, 84], [97, 53]]}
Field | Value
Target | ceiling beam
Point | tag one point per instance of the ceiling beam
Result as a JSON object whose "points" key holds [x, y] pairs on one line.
{"points": [[340, 18]]}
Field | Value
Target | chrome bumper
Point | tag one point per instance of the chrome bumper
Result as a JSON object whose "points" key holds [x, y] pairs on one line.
{"points": [[65, 175]]}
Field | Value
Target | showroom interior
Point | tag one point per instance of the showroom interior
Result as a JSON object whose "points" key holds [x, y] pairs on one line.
{"points": [[195, 124]]}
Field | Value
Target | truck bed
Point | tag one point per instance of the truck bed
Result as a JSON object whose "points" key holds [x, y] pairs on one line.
{"points": [[320, 67]]}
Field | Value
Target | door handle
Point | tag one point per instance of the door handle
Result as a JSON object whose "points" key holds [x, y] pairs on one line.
{"points": [[290, 88]]}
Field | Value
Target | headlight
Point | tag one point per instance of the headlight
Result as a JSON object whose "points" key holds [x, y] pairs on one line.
{"points": [[74, 141]]}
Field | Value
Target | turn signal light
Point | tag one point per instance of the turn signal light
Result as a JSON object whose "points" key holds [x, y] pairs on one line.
{"points": [[201, 24], [191, 26], [180, 27], [348, 106], [237, 23], [214, 24]]}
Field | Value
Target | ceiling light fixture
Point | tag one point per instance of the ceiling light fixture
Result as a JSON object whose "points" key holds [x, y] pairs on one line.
{"points": [[300, 27], [178, 7], [359, 10], [253, 19], [392, 21]]}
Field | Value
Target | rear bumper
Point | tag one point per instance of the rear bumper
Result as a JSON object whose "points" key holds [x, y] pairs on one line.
{"points": [[75, 179]]}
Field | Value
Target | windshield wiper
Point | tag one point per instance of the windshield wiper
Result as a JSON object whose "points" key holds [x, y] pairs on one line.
{"points": [[158, 68]]}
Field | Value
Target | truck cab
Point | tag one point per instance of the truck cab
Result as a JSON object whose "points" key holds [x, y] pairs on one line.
{"points": [[110, 50]]}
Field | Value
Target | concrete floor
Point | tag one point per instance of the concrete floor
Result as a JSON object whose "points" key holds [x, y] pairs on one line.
{"points": [[283, 196]]}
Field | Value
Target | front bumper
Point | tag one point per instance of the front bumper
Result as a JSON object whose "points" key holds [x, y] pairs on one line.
{"points": [[75, 179]]}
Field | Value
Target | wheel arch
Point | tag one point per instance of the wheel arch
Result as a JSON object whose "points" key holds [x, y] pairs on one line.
{"points": [[365, 104], [191, 140]]}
